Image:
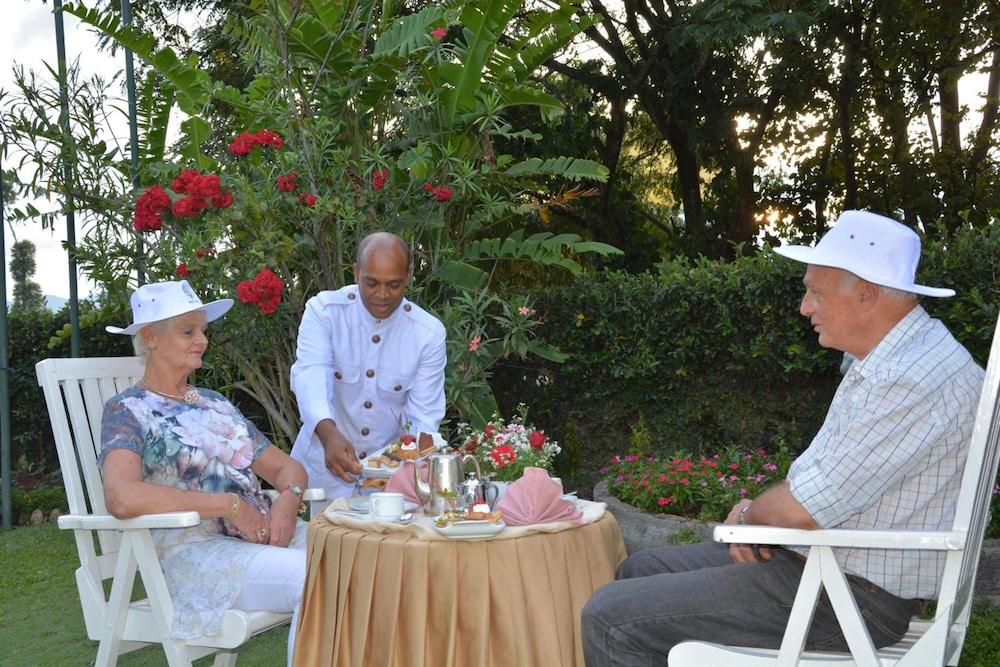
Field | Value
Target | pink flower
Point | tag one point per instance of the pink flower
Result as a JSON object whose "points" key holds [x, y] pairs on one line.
{"points": [[770, 467], [438, 33], [525, 311], [661, 478], [743, 493], [474, 343]]}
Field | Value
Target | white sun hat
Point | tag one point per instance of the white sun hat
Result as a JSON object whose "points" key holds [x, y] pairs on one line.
{"points": [[160, 301], [873, 247]]}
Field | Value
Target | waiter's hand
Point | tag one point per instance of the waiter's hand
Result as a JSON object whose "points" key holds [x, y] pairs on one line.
{"points": [[339, 454]]}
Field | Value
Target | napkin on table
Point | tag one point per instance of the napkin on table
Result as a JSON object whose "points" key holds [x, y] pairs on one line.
{"points": [[536, 498]]}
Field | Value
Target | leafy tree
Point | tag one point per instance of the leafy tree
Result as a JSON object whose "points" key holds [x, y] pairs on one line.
{"points": [[27, 293], [388, 121], [779, 111]]}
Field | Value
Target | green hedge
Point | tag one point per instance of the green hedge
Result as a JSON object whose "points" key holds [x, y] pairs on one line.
{"points": [[32, 446], [706, 354]]}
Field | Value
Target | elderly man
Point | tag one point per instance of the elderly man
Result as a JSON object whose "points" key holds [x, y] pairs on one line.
{"points": [[368, 365], [888, 456]]}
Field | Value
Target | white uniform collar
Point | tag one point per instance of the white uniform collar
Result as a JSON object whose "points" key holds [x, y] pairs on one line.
{"points": [[373, 322]]}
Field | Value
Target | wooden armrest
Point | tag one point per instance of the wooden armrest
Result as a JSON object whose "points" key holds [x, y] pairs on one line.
{"points": [[108, 522], [835, 537]]}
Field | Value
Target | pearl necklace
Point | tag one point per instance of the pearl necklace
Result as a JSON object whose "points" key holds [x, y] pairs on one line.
{"points": [[189, 397]]}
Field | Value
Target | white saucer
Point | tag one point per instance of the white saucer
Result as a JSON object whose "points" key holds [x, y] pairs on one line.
{"points": [[360, 503]]}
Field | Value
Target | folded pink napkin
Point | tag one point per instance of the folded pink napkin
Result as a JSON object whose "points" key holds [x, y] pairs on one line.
{"points": [[536, 498], [402, 480]]}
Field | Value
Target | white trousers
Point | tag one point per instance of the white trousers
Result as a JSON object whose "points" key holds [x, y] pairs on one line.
{"points": [[274, 581]]}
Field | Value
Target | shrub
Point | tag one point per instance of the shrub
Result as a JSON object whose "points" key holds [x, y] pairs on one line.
{"points": [[706, 355], [703, 488]]}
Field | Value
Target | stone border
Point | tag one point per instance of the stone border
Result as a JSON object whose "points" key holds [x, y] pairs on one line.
{"points": [[642, 530]]}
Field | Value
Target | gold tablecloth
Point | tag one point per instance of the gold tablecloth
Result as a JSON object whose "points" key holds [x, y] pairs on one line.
{"points": [[392, 600]]}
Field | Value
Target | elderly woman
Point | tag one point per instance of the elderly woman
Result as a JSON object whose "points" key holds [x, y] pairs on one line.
{"points": [[168, 446]]}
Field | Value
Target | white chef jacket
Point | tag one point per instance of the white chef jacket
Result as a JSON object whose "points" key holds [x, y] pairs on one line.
{"points": [[370, 376]]}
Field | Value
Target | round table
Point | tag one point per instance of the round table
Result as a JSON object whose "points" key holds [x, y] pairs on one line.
{"points": [[381, 599]]}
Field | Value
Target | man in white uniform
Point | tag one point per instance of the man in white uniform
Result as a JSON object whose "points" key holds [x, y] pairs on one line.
{"points": [[369, 367]]}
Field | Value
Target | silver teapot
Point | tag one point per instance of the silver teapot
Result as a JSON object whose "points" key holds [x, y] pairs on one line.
{"points": [[441, 491]]}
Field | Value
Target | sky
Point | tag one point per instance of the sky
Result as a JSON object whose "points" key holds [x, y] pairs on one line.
{"points": [[27, 37]]}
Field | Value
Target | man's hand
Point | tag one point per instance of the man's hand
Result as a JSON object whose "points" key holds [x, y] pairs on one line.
{"points": [[339, 455], [745, 553]]}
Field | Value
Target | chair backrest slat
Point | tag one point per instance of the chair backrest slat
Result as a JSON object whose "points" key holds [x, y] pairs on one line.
{"points": [[75, 392], [978, 480]]}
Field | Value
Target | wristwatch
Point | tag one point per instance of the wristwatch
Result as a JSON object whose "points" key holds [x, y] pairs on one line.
{"points": [[743, 510], [294, 488]]}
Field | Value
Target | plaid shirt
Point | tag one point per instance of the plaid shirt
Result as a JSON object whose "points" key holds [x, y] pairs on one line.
{"points": [[890, 453]]}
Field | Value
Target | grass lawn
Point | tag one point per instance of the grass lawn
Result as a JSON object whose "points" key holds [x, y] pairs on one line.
{"points": [[41, 622]]}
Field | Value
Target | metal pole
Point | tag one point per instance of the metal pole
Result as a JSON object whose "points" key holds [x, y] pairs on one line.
{"points": [[5, 466], [133, 132], [74, 304]]}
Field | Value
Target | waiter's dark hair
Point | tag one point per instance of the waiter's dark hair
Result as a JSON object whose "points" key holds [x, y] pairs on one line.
{"points": [[384, 236]]}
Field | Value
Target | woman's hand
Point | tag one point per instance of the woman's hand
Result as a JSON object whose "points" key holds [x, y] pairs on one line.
{"points": [[251, 524], [281, 519]]}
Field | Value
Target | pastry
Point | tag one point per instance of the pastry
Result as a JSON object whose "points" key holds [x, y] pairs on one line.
{"points": [[374, 483]]}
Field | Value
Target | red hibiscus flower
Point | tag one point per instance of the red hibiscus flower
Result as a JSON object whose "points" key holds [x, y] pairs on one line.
{"points": [[536, 439], [243, 144], [183, 181], [439, 192], [269, 138], [149, 208], [182, 270], [189, 207], [222, 200], [379, 179], [264, 291], [289, 182]]}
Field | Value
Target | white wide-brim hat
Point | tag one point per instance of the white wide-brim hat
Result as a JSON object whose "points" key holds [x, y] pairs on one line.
{"points": [[161, 301], [873, 247]]}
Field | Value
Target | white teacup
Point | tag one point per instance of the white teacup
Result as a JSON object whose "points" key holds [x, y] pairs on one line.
{"points": [[386, 506]]}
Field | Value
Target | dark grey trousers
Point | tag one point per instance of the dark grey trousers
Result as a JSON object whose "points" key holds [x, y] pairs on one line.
{"points": [[670, 594]]}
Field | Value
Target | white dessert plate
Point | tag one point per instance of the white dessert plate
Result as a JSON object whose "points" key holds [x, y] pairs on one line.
{"points": [[465, 530]]}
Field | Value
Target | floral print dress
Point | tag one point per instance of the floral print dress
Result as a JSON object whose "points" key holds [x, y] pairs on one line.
{"points": [[206, 446]]}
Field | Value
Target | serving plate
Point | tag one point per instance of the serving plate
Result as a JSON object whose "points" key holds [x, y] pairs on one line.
{"points": [[466, 530]]}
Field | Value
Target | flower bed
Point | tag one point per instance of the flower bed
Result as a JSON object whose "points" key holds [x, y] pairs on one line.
{"points": [[703, 488]]}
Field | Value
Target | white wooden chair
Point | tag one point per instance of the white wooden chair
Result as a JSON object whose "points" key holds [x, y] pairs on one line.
{"points": [[75, 392], [928, 642]]}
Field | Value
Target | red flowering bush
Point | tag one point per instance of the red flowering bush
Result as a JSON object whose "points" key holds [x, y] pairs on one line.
{"points": [[439, 192], [198, 191], [245, 142], [705, 488], [264, 291], [504, 450]]}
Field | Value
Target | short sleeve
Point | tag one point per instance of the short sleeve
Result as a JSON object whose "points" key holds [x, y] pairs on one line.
{"points": [[260, 441], [120, 429]]}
